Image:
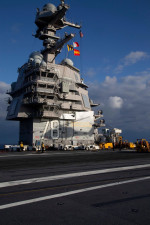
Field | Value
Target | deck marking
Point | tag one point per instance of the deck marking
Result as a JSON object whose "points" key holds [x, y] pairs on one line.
{"points": [[10, 205], [70, 175]]}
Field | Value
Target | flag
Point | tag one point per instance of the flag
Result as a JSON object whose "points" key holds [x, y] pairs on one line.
{"points": [[75, 44], [81, 34], [76, 52], [70, 48]]}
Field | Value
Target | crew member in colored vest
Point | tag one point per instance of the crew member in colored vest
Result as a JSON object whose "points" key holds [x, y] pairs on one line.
{"points": [[21, 146], [42, 146]]}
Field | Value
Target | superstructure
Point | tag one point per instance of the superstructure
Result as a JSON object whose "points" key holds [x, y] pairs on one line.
{"points": [[51, 100]]}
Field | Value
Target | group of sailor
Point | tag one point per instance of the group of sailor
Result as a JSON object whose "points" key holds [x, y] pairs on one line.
{"points": [[42, 147]]}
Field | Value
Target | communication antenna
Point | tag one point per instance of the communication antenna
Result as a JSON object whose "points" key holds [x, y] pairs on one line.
{"points": [[62, 2]]}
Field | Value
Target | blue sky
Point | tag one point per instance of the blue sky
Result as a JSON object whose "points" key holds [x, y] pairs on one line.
{"points": [[115, 55], [111, 30]]}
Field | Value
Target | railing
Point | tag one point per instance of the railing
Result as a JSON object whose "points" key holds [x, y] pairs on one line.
{"points": [[50, 114], [47, 79], [45, 90], [34, 101], [70, 96]]}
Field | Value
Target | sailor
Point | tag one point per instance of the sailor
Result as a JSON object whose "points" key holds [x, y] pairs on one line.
{"points": [[120, 145], [42, 147], [21, 146], [113, 146]]}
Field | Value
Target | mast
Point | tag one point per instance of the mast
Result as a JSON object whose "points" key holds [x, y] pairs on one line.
{"points": [[49, 20]]}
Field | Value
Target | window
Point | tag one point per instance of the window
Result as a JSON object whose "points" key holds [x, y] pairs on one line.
{"points": [[43, 74], [65, 87], [13, 107], [50, 75], [78, 103], [46, 108], [77, 93], [50, 86], [50, 97], [37, 73], [42, 85], [86, 101], [76, 77]]}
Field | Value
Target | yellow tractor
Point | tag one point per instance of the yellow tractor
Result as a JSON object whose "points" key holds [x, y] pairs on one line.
{"points": [[128, 145], [132, 145], [142, 145], [106, 146]]}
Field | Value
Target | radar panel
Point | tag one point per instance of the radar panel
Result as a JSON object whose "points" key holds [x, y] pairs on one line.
{"points": [[86, 101], [13, 107]]}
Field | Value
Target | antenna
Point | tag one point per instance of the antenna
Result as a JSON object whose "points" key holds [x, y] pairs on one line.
{"points": [[62, 2]]}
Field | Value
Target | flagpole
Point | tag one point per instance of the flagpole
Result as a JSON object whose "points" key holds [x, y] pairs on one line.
{"points": [[81, 59], [67, 54]]}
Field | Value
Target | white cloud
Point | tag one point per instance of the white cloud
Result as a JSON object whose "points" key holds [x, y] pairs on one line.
{"points": [[130, 59], [134, 57], [3, 87], [8, 130], [115, 102], [109, 81], [118, 69], [125, 102], [3, 99]]}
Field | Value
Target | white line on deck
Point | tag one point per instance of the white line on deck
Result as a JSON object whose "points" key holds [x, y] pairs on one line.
{"points": [[71, 193], [70, 175]]}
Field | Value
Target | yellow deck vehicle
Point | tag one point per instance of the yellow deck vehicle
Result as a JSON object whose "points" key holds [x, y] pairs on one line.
{"points": [[132, 145], [142, 145], [106, 146]]}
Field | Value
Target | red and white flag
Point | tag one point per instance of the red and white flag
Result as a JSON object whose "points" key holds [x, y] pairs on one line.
{"points": [[75, 44]]}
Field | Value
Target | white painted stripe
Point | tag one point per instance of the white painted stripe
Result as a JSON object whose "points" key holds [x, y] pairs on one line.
{"points": [[71, 193], [71, 175]]}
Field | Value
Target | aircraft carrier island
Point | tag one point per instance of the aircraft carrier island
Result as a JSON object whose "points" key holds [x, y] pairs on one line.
{"points": [[51, 100]]}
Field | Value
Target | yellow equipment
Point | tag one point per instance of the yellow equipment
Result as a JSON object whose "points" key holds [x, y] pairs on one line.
{"points": [[142, 145], [21, 144], [102, 145], [132, 145], [119, 140], [106, 146]]}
